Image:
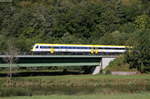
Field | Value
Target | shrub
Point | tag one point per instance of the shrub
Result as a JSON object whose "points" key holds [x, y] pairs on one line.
{"points": [[108, 72], [15, 92]]}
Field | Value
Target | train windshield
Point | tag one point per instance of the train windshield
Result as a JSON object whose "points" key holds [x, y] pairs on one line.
{"points": [[37, 46]]}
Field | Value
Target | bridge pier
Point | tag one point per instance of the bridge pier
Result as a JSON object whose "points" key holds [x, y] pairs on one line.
{"points": [[104, 62], [96, 70]]}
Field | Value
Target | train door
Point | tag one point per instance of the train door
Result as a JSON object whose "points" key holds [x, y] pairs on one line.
{"points": [[52, 50], [94, 50]]}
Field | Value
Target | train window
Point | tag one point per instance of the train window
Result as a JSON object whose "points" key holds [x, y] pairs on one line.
{"points": [[83, 47], [111, 48], [37, 46], [56, 47], [62, 47], [44, 46]]}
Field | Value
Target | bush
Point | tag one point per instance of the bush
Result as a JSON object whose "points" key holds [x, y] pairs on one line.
{"points": [[139, 57], [15, 92], [108, 72]]}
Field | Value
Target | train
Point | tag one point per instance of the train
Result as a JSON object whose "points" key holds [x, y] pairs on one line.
{"points": [[39, 48]]}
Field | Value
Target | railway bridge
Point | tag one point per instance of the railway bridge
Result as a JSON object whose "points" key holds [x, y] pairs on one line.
{"points": [[99, 61]]}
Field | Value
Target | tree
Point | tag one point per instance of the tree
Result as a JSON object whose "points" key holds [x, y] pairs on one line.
{"points": [[11, 54], [142, 22], [115, 38], [139, 56]]}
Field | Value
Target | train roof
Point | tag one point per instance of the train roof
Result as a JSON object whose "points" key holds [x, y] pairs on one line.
{"points": [[81, 45]]}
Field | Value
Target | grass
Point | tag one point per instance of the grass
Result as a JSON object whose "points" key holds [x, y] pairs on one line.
{"points": [[92, 96], [74, 85], [123, 67], [119, 64], [78, 78], [97, 77]]}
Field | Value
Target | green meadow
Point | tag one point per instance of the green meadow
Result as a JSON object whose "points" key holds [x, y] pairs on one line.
{"points": [[93, 96], [73, 85]]}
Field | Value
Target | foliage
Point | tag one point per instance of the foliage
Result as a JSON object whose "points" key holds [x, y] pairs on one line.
{"points": [[69, 21], [139, 56], [119, 64], [15, 92]]}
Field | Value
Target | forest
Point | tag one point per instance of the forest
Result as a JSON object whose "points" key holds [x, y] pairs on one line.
{"points": [[111, 22]]}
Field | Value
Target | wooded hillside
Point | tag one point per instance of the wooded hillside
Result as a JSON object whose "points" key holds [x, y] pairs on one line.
{"points": [[116, 22], [72, 21]]}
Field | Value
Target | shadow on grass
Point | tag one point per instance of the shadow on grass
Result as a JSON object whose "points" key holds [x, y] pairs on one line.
{"points": [[25, 74]]}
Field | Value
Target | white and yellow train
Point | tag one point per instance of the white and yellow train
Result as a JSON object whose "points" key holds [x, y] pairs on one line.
{"points": [[78, 49]]}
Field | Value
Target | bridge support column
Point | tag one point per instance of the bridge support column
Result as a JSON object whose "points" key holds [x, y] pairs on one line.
{"points": [[96, 70], [104, 62]]}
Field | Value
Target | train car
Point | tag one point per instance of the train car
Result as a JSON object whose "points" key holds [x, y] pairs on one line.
{"points": [[77, 49]]}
